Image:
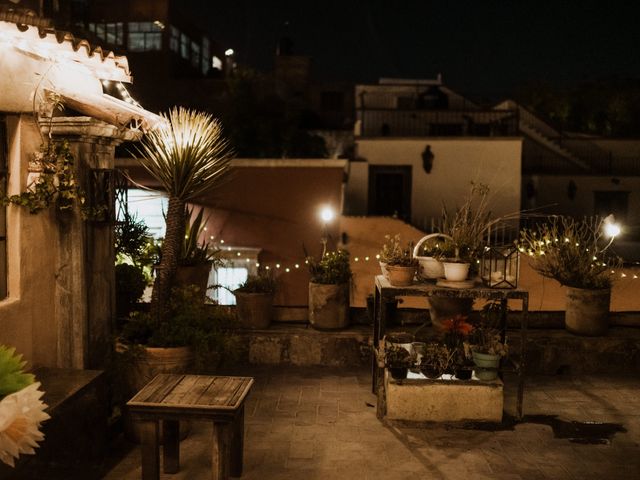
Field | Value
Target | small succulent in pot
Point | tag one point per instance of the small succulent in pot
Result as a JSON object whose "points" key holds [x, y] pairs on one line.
{"points": [[437, 360], [398, 360]]}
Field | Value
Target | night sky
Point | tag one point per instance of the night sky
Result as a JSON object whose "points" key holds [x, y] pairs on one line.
{"points": [[485, 47]]}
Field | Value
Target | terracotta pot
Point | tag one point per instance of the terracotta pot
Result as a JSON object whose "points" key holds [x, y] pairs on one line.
{"points": [[587, 311], [456, 272], [254, 310], [193, 275], [328, 306], [400, 276], [143, 367]]}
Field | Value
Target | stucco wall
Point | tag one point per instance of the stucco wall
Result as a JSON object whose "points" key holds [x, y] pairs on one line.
{"points": [[60, 303], [276, 208], [26, 316], [457, 162]]}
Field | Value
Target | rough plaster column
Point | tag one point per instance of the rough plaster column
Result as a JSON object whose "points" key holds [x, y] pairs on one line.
{"points": [[85, 281]]}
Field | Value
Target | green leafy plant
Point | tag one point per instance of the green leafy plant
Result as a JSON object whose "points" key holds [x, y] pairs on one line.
{"points": [[438, 248], [12, 376], [190, 322], [56, 184], [332, 269], [194, 253], [393, 253], [261, 283], [571, 251]]}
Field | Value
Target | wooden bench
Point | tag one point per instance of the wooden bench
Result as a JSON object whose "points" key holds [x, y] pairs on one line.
{"points": [[170, 398]]}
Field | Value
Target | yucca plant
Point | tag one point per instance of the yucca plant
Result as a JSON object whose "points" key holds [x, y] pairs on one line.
{"points": [[189, 156]]}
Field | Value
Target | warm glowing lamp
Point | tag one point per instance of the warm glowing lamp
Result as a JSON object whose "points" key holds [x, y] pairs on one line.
{"points": [[327, 214]]}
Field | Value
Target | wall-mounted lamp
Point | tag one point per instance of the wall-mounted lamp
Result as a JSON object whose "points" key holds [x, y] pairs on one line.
{"points": [[427, 159]]}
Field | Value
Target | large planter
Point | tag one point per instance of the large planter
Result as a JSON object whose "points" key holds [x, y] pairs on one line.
{"points": [[587, 311], [328, 306], [254, 310], [142, 366], [400, 276], [193, 275]]}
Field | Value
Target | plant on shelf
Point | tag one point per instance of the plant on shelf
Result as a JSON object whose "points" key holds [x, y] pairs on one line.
{"points": [[437, 360], [399, 262], [456, 331], [486, 344], [254, 300], [329, 290], [576, 253], [397, 360]]}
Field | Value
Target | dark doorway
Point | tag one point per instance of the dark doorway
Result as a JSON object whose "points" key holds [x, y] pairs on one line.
{"points": [[390, 191]]}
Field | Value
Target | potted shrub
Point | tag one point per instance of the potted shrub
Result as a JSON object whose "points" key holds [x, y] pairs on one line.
{"points": [[196, 259], [399, 261], [193, 337], [329, 290], [189, 156], [574, 253], [254, 301], [397, 360]]}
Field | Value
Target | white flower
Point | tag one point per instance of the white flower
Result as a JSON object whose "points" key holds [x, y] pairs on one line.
{"points": [[21, 414]]}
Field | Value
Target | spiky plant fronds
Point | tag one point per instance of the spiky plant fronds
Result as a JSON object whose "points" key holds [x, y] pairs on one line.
{"points": [[187, 154], [12, 376]]}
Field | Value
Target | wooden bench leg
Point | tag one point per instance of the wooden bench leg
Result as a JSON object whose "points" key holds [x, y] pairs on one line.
{"points": [[220, 451], [149, 449], [171, 445], [237, 443]]}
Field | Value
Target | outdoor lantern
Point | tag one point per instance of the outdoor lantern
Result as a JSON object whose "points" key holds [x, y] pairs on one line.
{"points": [[500, 267]]}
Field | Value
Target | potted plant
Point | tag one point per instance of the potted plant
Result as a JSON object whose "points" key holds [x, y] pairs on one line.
{"points": [[397, 360], [429, 251], [254, 301], [192, 337], [189, 156], [574, 253], [196, 259], [485, 345], [329, 290], [399, 261], [436, 360], [456, 331]]}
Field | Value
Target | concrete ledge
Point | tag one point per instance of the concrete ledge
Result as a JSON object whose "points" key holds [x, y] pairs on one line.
{"points": [[427, 400]]}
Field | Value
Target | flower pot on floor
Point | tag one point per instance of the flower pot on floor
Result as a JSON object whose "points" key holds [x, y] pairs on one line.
{"points": [[587, 311], [328, 306], [254, 310], [400, 276]]}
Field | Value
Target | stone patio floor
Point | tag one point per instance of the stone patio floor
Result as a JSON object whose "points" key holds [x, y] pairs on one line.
{"points": [[320, 423]]}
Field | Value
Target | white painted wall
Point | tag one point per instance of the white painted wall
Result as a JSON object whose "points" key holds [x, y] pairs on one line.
{"points": [[457, 161]]}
